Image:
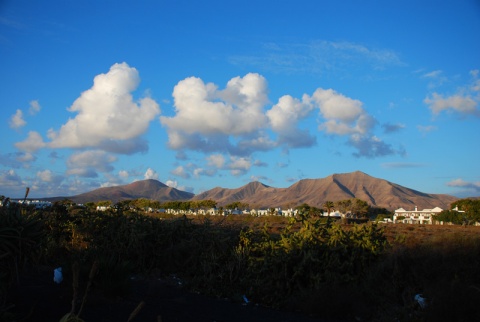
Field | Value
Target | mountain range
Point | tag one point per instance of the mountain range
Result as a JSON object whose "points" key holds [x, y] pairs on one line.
{"points": [[377, 192]]}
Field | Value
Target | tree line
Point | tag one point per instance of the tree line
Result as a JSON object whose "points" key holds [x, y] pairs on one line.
{"points": [[463, 211], [355, 207]]}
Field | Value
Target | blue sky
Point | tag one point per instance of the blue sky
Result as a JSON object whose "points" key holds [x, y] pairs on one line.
{"points": [[199, 94]]}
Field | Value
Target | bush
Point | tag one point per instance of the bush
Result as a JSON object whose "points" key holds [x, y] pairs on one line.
{"points": [[20, 235], [312, 265]]}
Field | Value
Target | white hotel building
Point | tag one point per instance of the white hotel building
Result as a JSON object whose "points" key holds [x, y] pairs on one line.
{"points": [[416, 216]]}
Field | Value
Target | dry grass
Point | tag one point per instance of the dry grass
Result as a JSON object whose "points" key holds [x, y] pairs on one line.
{"points": [[404, 234], [418, 235]]}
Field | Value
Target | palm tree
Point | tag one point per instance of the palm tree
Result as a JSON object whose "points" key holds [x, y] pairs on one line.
{"points": [[328, 206]]}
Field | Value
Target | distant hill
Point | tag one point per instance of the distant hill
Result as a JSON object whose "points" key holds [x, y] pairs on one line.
{"points": [[377, 192], [149, 189]]}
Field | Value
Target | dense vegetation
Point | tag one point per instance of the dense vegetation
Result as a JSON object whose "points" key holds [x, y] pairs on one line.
{"points": [[464, 211], [307, 264]]}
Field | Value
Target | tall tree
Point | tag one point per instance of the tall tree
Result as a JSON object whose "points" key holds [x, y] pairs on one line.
{"points": [[359, 207], [328, 206], [343, 206]]}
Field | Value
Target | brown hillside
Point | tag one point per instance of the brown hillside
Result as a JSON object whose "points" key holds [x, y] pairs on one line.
{"points": [[149, 189], [377, 192]]}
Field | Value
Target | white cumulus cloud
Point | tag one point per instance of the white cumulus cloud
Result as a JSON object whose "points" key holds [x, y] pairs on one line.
{"points": [[464, 102], [216, 160], [32, 143], [150, 174], [34, 107], [17, 121], [45, 175], [107, 114], [48, 177], [87, 163], [460, 183], [13, 182], [172, 183], [459, 103], [236, 122], [206, 117], [239, 165], [284, 117], [180, 171], [343, 115]]}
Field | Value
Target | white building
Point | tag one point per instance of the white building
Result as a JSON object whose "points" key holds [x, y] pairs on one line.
{"points": [[416, 216], [335, 214], [38, 204]]}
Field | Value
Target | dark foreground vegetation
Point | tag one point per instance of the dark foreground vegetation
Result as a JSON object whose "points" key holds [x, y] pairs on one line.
{"points": [[323, 269]]}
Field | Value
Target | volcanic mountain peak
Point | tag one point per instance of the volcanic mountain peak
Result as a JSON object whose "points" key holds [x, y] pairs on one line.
{"points": [[150, 189], [255, 185], [147, 183], [377, 192]]}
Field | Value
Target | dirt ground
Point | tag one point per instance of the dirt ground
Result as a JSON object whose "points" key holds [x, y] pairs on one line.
{"points": [[37, 298]]}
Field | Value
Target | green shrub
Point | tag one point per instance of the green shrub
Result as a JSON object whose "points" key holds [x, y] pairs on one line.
{"points": [[20, 235], [313, 265]]}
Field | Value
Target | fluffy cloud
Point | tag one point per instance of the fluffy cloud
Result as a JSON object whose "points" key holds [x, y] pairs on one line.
{"points": [[32, 143], [464, 102], [239, 165], [343, 115], [216, 160], [370, 146], [123, 173], [459, 103], [86, 164], [48, 176], [150, 174], [284, 117], [10, 178], [206, 117], [200, 111], [34, 107], [199, 171], [15, 160], [107, 114], [172, 183], [17, 121], [180, 171], [473, 186], [235, 121]]}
